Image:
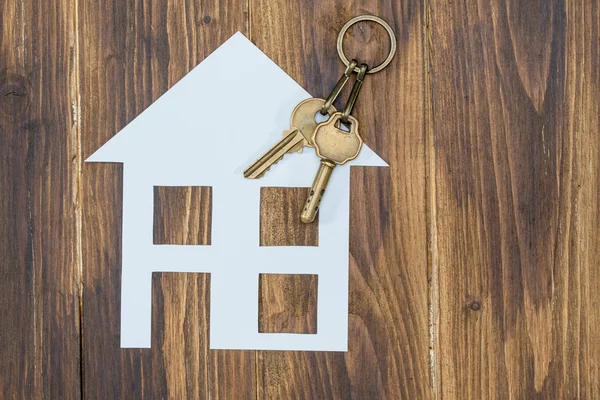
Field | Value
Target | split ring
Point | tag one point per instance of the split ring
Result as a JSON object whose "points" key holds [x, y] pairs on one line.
{"points": [[377, 20]]}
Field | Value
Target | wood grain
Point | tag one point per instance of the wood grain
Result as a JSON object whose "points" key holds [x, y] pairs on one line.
{"points": [[388, 353], [39, 272], [182, 215], [287, 303], [283, 304], [180, 311], [517, 172], [280, 224], [133, 51]]}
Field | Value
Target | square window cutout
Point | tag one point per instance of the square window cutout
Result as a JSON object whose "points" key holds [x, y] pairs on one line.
{"points": [[280, 224], [182, 215], [287, 303]]}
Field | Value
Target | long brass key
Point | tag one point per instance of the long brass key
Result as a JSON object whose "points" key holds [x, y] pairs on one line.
{"points": [[335, 147], [299, 135]]}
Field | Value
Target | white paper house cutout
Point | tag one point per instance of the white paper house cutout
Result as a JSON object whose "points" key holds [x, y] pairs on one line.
{"points": [[205, 131]]}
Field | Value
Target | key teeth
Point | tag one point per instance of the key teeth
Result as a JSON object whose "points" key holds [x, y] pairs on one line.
{"points": [[265, 171], [286, 133]]}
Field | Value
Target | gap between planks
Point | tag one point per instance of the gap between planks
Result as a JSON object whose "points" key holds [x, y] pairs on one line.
{"points": [[257, 369], [77, 164], [430, 208]]}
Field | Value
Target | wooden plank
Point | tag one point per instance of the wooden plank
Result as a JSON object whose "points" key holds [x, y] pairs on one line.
{"points": [[280, 225], [39, 306], [180, 311], [132, 51], [388, 353], [517, 168], [287, 303], [182, 215]]}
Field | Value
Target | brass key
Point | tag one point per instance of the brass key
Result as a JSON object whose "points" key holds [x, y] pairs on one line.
{"points": [[300, 134], [335, 147]]}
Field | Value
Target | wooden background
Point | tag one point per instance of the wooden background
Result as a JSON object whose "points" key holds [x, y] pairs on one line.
{"points": [[474, 258]]}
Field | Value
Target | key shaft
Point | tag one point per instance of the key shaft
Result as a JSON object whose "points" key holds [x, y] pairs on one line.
{"points": [[292, 141], [334, 146], [311, 207]]}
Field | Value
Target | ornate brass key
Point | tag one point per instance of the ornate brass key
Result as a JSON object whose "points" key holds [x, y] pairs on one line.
{"points": [[335, 146]]}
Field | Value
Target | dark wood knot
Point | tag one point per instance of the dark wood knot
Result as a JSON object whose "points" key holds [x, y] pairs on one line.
{"points": [[14, 94]]}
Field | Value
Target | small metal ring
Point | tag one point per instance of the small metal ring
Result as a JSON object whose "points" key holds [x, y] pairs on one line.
{"points": [[377, 20]]}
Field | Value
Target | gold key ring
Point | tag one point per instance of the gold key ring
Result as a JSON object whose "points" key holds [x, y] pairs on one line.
{"points": [[377, 20]]}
